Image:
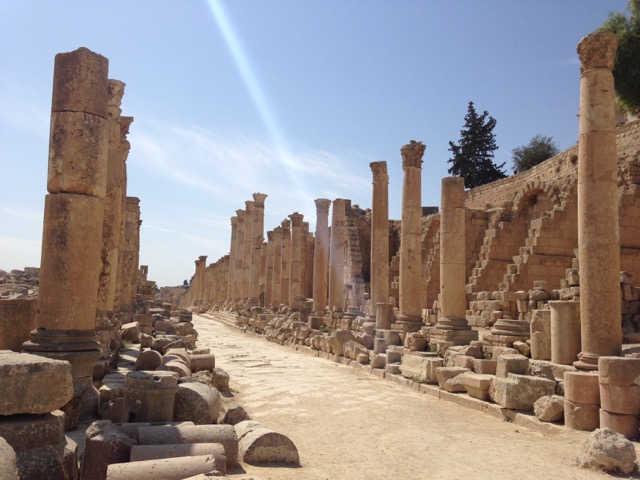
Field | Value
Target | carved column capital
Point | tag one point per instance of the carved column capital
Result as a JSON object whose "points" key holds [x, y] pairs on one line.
{"points": [[598, 50], [322, 206], [412, 154], [296, 219], [379, 170]]}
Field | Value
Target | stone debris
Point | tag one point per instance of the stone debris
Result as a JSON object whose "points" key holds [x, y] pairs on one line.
{"points": [[259, 444], [607, 450], [549, 408]]}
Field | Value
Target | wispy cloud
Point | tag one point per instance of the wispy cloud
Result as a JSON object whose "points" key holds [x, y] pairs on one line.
{"points": [[24, 213]]}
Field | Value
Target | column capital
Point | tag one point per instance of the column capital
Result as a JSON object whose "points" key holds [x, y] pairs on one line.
{"points": [[412, 154], [116, 92], [277, 231], [202, 258], [296, 219], [234, 221], [379, 170], [322, 206], [286, 225], [270, 235], [241, 215], [250, 206], [597, 50], [259, 199]]}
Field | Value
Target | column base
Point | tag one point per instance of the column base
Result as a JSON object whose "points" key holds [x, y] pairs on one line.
{"points": [[455, 330], [587, 361], [408, 323], [78, 347]]}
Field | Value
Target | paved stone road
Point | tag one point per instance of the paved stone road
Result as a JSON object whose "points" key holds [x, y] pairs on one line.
{"points": [[351, 425]]}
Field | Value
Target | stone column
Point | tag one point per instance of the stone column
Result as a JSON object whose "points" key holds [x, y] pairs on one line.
{"points": [[202, 275], [239, 256], [296, 277], [131, 248], [307, 261], [410, 317], [247, 248], [232, 259], [257, 239], [598, 229], [268, 280], [263, 274], [337, 253], [452, 325], [276, 287], [321, 255], [380, 241], [195, 284], [286, 261], [73, 218]]}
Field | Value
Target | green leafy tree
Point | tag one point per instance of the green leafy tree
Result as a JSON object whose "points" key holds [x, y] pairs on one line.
{"points": [[539, 149], [473, 157], [626, 71]]}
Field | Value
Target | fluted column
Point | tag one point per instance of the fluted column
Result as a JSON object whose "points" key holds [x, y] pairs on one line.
{"points": [[380, 241], [232, 259], [239, 256], [410, 317], [598, 228], [268, 281], [321, 255], [276, 287], [257, 239], [337, 253]]}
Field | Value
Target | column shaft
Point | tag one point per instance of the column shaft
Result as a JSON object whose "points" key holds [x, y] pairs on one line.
{"points": [[380, 240]]}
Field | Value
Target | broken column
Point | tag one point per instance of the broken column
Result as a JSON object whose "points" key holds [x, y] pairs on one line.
{"points": [[452, 325], [232, 259], [286, 260], [410, 316], [239, 260], [598, 229], [321, 255], [337, 253], [380, 242], [296, 278], [72, 230], [268, 281], [257, 233]]}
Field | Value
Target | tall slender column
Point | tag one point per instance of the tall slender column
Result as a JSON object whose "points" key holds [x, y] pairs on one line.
{"points": [[268, 281], [263, 274], [239, 260], [410, 317], [73, 218], [452, 325], [232, 259], [380, 241], [257, 239], [598, 228], [247, 248], [286, 260], [321, 255], [337, 253], [296, 278], [276, 293], [195, 284], [307, 261], [202, 291]]}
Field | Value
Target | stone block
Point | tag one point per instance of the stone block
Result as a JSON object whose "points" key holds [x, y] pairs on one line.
{"points": [[105, 444], [454, 385], [379, 360], [520, 392], [379, 345], [234, 414], [510, 363], [220, 379], [150, 396], [8, 465], [130, 332], [609, 451], [476, 384], [622, 371], [582, 387], [26, 381], [620, 399], [197, 402], [432, 365], [627, 425], [258, 444], [443, 374], [203, 362], [393, 356], [17, 318], [464, 361], [581, 416], [485, 367], [549, 408], [414, 367]]}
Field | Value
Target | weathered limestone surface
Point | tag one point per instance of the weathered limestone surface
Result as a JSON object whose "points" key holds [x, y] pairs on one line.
{"points": [[337, 253], [17, 318], [321, 255], [239, 257], [609, 451], [259, 444], [257, 233], [8, 467], [380, 240], [26, 380]]}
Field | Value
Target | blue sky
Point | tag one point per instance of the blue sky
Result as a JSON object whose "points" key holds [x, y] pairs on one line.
{"points": [[293, 98]]}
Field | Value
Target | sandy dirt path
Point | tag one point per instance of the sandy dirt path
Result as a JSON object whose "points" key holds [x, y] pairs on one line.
{"points": [[351, 425]]}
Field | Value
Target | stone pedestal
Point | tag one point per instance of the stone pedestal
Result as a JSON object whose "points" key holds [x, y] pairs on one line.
{"points": [[410, 316], [506, 331], [337, 253], [565, 332], [380, 241], [598, 229], [321, 255], [150, 396], [452, 325]]}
